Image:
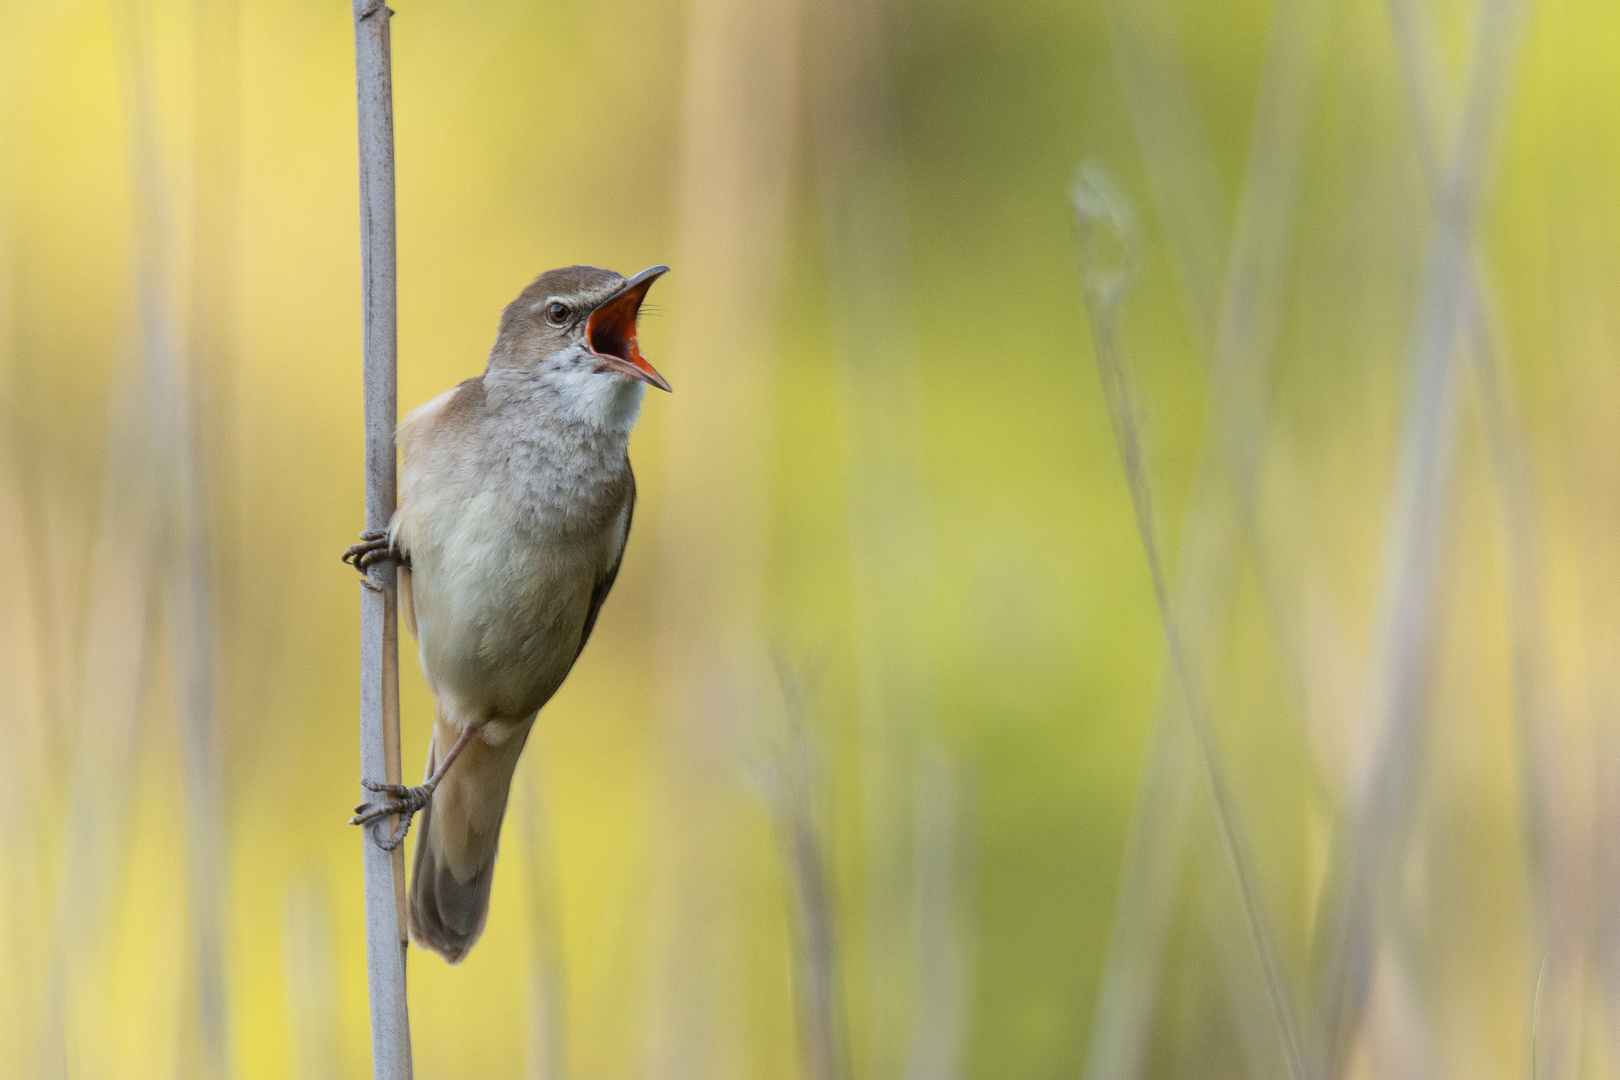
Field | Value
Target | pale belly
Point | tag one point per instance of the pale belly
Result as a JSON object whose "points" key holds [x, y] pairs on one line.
{"points": [[499, 614]]}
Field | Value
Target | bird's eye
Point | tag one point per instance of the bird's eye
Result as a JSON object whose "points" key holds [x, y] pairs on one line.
{"points": [[557, 313]]}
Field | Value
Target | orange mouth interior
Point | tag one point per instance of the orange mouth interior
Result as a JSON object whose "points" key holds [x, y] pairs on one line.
{"points": [[610, 333], [611, 330]]}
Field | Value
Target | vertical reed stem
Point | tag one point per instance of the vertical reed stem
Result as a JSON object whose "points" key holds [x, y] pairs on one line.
{"points": [[379, 629]]}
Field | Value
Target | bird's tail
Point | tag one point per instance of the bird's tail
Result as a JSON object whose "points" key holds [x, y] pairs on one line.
{"points": [[456, 841]]}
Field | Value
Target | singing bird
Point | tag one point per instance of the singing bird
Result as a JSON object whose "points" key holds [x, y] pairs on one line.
{"points": [[515, 502]]}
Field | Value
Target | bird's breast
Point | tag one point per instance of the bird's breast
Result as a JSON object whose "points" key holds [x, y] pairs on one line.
{"points": [[503, 565]]}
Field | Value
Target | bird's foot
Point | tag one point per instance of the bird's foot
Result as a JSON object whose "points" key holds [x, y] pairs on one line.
{"points": [[405, 801], [374, 547]]}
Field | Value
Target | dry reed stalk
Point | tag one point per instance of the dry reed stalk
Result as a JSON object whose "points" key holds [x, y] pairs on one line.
{"points": [[797, 797], [386, 938], [1237, 325], [942, 873], [857, 169], [1242, 359], [45, 650], [27, 709], [1556, 882], [214, 462], [100, 785], [312, 997], [1400, 1046], [1177, 149], [24, 714], [1384, 801], [1218, 908], [1558, 886], [186, 591], [188, 617], [739, 115], [1155, 852], [211, 333], [1104, 223], [204, 466], [547, 1036], [143, 486]]}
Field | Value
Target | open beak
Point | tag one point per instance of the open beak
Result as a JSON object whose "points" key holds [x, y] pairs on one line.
{"points": [[610, 332]]}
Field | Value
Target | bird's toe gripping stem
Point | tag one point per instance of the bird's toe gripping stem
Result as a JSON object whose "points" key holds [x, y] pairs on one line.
{"points": [[405, 801], [374, 547]]}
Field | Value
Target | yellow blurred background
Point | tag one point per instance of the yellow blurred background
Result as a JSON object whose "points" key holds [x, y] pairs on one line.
{"points": [[885, 612]]}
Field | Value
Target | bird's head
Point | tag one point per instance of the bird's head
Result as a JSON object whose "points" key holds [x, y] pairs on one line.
{"points": [[574, 331]]}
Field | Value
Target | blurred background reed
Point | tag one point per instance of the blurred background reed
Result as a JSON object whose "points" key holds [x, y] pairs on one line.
{"points": [[890, 757]]}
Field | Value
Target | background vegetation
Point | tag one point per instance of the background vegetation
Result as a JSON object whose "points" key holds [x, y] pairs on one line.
{"points": [[876, 765]]}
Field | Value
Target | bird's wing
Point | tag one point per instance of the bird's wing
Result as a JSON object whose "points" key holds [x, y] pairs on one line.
{"points": [[604, 584]]}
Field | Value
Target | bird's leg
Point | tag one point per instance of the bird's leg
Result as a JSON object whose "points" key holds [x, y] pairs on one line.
{"points": [[374, 547], [406, 801]]}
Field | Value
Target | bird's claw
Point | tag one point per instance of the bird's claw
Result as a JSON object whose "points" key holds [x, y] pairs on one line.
{"points": [[399, 791], [374, 547], [406, 802]]}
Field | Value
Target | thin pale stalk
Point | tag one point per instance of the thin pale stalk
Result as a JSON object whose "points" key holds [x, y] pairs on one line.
{"points": [[1101, 210], [312, 997], [1220, 904], [1176, 147], [208, 459], [28, 712], [1242, 360], [1381, 807], [386, 939], [801, 832], [121, 593], [100, 788], [1237, 324], [205, 459], [1535, 1025], [1559, 916], [857, 169], [942, 950], [100, 783], [211, 333], [1155, 853], [187, 588], [45, 651], [547, 1043], [1401, 1016], [738, 124]]}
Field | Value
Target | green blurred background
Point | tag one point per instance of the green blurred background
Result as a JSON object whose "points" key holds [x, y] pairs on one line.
{"points": [[885, 606]]}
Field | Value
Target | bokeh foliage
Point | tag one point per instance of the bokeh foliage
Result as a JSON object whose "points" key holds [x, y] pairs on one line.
{"points": [[879, 334]]}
